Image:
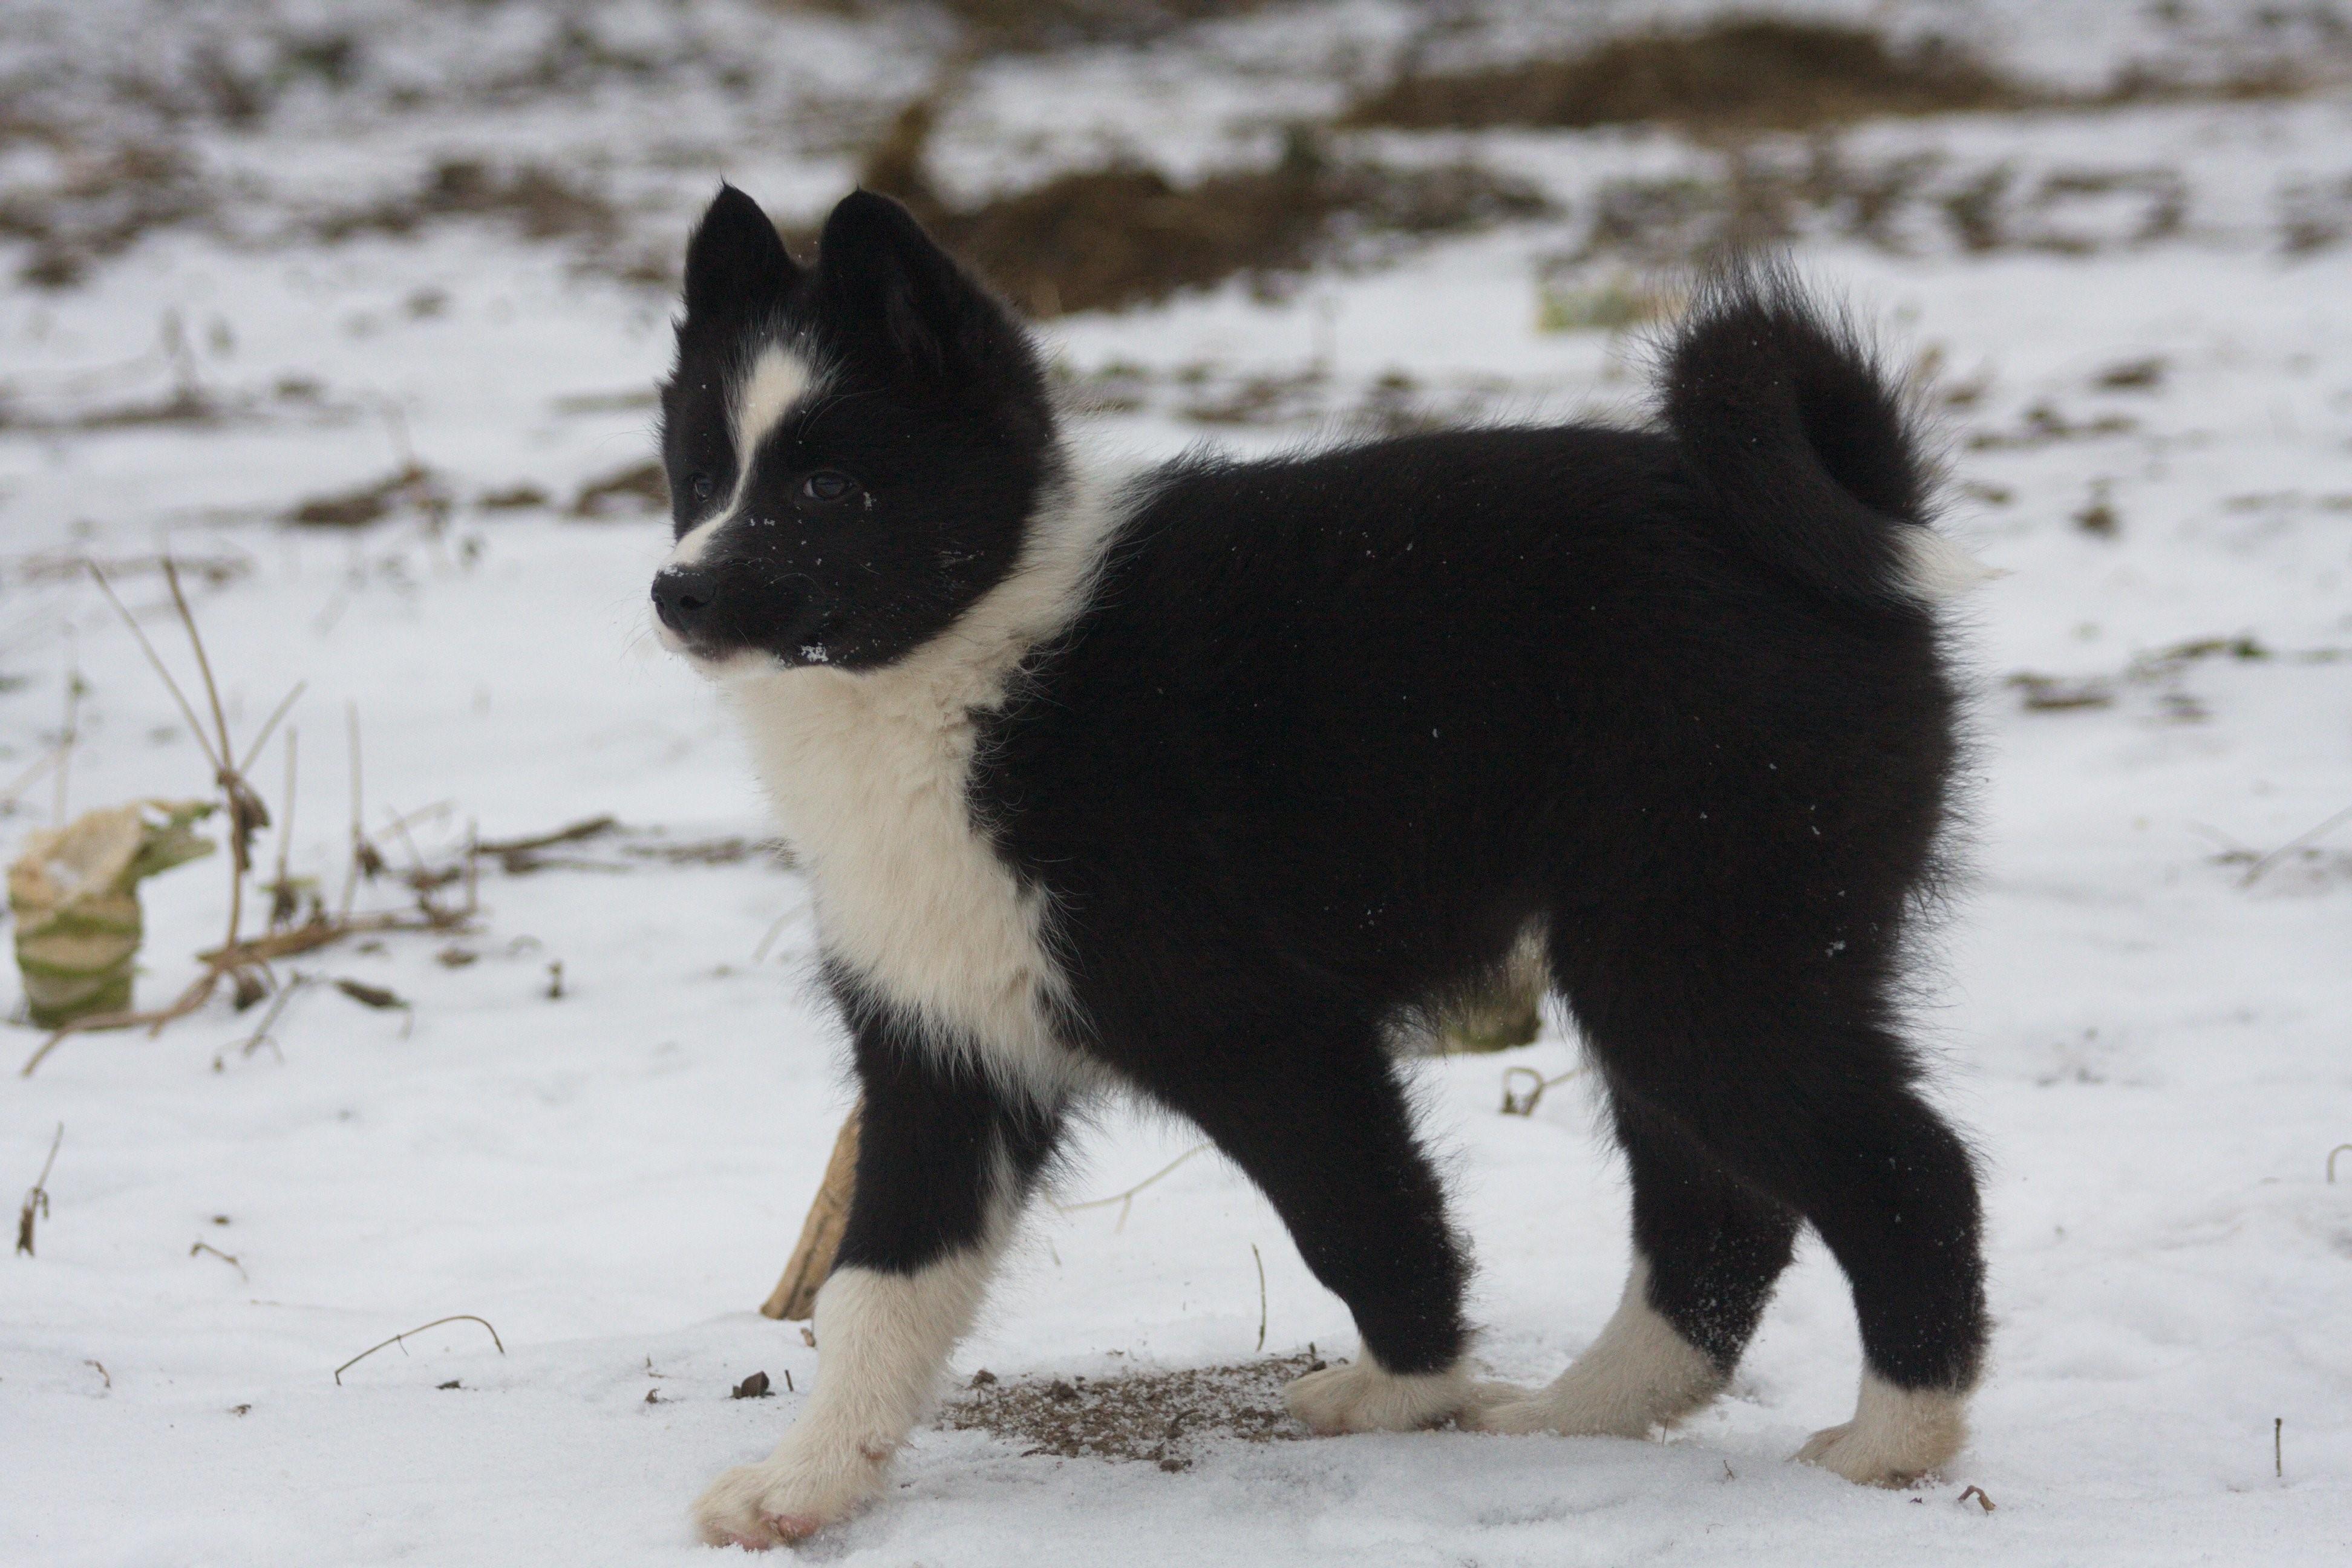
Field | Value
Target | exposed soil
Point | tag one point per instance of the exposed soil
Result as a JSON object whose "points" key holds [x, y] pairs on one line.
{"points": [[1167, 1418]]}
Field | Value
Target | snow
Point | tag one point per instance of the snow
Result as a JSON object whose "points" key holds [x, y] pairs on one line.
{"points": [[2149, 1050]]}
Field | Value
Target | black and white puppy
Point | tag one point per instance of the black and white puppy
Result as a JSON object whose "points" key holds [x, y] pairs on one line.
{"points": [[1200, 782]]}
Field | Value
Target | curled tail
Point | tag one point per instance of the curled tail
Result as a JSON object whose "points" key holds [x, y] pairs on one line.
{"points": [[1805, 449]]}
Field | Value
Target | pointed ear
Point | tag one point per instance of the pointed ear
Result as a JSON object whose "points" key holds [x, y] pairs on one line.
{"points": [[735, 260], [883, 275]]}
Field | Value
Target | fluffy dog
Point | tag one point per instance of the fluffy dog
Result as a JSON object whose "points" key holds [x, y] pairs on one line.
{"points": [[1201, 782]]}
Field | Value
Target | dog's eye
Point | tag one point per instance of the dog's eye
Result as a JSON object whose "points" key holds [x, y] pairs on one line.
{"points": [[703, 486], [828, 487]]}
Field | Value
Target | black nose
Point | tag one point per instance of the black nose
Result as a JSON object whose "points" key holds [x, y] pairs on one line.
{"points": [[683, 596]]}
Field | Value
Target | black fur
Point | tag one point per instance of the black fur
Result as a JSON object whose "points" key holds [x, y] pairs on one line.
{"points": [[1333, 730]]}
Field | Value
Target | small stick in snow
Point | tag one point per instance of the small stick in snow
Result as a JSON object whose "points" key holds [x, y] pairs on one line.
{"points": [[1126, 1200], [400, 1339], [2278, 1446], [794, 1296], [229, 1258], [1525, 1104], [2291, 844], [37, 1202], [102, 1371], [1261, 1297], [1979, 1493], [2339, 1148]]}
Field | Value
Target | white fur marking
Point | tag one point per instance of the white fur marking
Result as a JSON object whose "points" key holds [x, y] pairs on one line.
{"points": [[1638, 1374], [1896, 1435], [882, 1341], [689, 550], [868, 773], [1365, 1396], [1935, 569], [778, 379], [756, 404]]}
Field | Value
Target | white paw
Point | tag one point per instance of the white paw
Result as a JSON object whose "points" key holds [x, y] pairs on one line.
{"points": [[1896, 1435], [789, 1495], [1506, 1408], [1360, 1396]]}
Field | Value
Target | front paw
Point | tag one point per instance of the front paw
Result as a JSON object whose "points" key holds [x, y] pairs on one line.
{"points": [[1362, 1396], [788, 1497]]}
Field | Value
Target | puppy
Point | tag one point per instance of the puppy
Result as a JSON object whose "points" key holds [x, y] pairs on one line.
{"points": [[1197, 783]]}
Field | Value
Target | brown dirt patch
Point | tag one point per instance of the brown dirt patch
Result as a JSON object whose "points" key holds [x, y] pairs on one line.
{"points": [[1753, 73], [1170, 1418], [1127, 235]]}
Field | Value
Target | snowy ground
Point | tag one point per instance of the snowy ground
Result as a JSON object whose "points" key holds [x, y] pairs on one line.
{"points": [[2151, 1049]]}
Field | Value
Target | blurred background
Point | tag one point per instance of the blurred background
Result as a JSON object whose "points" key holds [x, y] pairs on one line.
{"points": [[353, 313]]}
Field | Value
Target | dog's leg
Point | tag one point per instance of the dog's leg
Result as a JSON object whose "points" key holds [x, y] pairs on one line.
{"points": [[1319, 1121], [944, 1161], [1815, 1105], [1708, 1248]]}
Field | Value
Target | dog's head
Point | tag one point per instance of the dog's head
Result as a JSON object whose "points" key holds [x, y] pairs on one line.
{"points": [[854, 448]]}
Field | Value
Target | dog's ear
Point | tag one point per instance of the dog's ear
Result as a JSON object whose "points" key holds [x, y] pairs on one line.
{"points": [[735, 261], [884, 276]]}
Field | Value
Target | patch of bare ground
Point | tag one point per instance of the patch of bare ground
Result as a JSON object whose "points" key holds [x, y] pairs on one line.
{"points": [[540, 202], [1905, 204], [1743, 74], [997, 26], [100, 197], [1126, 234], [1169, 1418]]}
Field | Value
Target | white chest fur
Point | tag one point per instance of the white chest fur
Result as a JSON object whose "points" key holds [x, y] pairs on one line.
{"points": [[869, 776]]}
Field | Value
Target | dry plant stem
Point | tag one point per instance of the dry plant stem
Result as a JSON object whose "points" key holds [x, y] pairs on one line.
{"points": [[284, 894], [30, 776], [2339, 1148], [1516, 1105], [260, 1035], [231, 782], [397, 1339], [258, 951], [1260, 1261], [359, 839], [196, 726], [227, 1258], [269, 725], [71, 733], [2291, 844], [794, 1296], [1126, 1200], [587, 828], [36, 1201]]}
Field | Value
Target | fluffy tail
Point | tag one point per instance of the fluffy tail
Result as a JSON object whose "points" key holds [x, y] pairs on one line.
{"points": [[1804, 448]]}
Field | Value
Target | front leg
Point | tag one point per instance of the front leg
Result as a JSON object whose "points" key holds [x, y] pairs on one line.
{"points": [[945, 1160]]}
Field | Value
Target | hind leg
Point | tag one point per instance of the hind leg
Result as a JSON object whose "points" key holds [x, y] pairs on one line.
{"points": [[1708, 1248], [1792, 1078], [1312, 1112]]}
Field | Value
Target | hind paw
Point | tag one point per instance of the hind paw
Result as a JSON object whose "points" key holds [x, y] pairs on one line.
{"points": [[1362, 1396]]}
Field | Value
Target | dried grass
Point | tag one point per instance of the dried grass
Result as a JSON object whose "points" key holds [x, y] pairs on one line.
{"points": [[1126, 235], [1738, 74], [1168, 1418]]}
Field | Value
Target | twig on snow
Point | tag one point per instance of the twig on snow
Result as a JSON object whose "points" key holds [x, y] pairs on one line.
{"points": [[399, 1339], [1525, 1104], [1261, 1297], [1126, 1200], [2291, 844], [37, 1202]]}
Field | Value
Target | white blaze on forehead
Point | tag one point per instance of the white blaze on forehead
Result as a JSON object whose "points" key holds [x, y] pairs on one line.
{"points": [[757, 405], [777, 379]]}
